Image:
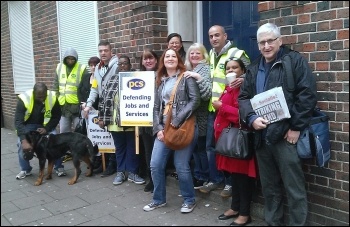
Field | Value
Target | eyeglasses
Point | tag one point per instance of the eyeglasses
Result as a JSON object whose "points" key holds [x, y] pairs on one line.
{"points": [[269, 42]]}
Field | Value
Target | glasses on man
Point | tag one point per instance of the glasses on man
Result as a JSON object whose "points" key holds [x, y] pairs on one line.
{"points": [[269, 42]]}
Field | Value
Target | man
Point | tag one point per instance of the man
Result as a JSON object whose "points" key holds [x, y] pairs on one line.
{"points": [[276, 142], [104, 70], [37, 109], [222, 50]]}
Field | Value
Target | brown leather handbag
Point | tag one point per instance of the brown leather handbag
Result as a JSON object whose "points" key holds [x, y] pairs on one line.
{"points": [[181, 137]]}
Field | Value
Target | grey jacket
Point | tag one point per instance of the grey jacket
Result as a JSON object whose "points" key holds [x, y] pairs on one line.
{"points": [[187, 100]]}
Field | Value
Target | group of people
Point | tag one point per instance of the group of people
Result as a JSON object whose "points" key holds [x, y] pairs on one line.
{"points": [[201, 89]]}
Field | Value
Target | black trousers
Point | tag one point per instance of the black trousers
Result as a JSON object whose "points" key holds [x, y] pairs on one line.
{"points": [[242, 192]]}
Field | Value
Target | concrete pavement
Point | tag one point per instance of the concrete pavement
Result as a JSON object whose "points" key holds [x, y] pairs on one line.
{"points": [[94, 200]]}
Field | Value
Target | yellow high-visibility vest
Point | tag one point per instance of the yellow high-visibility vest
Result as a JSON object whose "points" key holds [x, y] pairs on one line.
{"points": [[28, 100], [218, 74], [68, 84]]}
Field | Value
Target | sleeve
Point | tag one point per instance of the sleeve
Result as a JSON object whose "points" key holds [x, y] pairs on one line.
{"points": [[55, 86], [204, 84], [55, 117], [19, 119], [93, 95]]}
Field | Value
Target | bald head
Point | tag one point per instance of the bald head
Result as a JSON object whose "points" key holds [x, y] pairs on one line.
{"points": [[217, 37]]}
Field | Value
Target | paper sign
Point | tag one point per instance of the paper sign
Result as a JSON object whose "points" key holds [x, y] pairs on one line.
{"points": [[136, 98]]}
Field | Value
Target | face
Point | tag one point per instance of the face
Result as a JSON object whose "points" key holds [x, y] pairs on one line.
{"points": [[149, 62], [269, 45], [70, 61], [195, 57], [233, 66], [175, 43], [105, 53], [170, 60], [124, 65], [40, 96], [92, 68], [217, 37]]}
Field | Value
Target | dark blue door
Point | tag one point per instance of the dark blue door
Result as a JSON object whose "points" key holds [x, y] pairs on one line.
{"points": [[240, 20]]}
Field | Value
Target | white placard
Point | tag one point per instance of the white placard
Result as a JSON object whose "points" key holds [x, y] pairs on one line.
{"points": [[271, 105], [99, 136], [136, 98]]}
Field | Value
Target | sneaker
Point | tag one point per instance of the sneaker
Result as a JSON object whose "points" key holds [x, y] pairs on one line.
{"points": [[153, 206], [133, 177], [60, 172], [210, 187], [198, 184], [23, 174], [227, 192], [187, 208], [120, 178]]}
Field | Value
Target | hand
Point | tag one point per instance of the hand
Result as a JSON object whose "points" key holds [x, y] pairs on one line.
{"points": [[86, 112], [101, 124], [189, 74], [236, 82], [42, 131], [160, 135], [260, 123], [217, 104], [292, 136], [25, 145], [83, 105]]}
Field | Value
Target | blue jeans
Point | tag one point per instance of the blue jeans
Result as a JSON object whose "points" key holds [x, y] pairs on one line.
{"points": [[125, 151], [160, 156], [201, 164], [215, 176], [24, 164]]}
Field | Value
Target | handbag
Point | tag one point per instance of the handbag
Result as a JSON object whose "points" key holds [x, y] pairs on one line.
{"points": [[314, 140], [81, 126], [181, 137], [236, 143]]}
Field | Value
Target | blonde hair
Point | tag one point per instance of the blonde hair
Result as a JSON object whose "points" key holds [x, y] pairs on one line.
{"points": [[202, 50]]}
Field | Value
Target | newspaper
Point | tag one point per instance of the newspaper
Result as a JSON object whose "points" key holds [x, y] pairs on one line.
{"points": [[271, 105]]}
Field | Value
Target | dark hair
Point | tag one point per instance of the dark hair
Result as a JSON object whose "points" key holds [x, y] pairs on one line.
{"points": [[126, 57], [93, 60], [162, 70], [40, 87], [105, 43], [239, 61], [146, 54], [182, 49]]}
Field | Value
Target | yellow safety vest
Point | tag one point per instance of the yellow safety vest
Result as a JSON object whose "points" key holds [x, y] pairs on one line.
{"points": [[28, 100], [218, 74], [68, 85]]}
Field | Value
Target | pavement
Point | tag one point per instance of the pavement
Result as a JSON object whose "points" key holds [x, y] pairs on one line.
{"points": [[95, 201]]}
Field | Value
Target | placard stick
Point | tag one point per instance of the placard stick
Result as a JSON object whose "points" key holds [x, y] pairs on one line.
{"points": [[137, 142]]}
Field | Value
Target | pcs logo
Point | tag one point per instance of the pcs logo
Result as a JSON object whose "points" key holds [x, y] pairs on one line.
{"points": [[95, 120], [136, 84]]}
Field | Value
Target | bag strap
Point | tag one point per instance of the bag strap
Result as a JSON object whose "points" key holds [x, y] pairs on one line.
{"points": [[171, 100]]}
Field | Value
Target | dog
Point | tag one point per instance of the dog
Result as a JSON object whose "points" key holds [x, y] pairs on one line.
{"points": [[52, 147]]}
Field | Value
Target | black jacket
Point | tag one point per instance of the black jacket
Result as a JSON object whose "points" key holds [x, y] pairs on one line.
{"points": [[301, 98], [187, 100]]}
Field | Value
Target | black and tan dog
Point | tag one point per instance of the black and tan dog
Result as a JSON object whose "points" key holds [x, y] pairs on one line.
{"points": [[52, 147]]}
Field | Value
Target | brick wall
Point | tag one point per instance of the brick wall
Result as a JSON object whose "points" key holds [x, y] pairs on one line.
{"points": [[131, 26], [320, 32]]}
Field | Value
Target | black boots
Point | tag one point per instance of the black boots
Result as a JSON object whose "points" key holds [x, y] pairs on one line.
{"points": [[97, 164], [111, 167]]}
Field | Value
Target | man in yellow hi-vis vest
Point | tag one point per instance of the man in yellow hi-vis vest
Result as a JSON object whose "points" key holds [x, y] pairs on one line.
{"points": [[66, 83], [221, 52], [37, 109]]}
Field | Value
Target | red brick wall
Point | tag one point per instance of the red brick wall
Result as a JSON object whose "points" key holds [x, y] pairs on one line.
{"points": [[320, 32]]}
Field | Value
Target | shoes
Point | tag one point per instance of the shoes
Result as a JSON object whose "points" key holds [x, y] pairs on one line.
{"points": [[153, 206], [60, 172], [197, 184], [246, 223], [67, 157], [149, 187], [98, 170], [23, 174], [187, 208], [97, 162], [224, 217], [227, 192], [210, 187], [111, 169], [120, 178], [133, 177]]}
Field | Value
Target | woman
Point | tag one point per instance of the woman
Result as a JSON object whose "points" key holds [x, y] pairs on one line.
{"points": [[187, 100], [148, 62], [174, 41], [243, 172], [197, 63]]}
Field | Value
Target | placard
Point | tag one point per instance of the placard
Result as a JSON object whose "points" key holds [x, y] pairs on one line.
{"points": [[136, 98]]}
